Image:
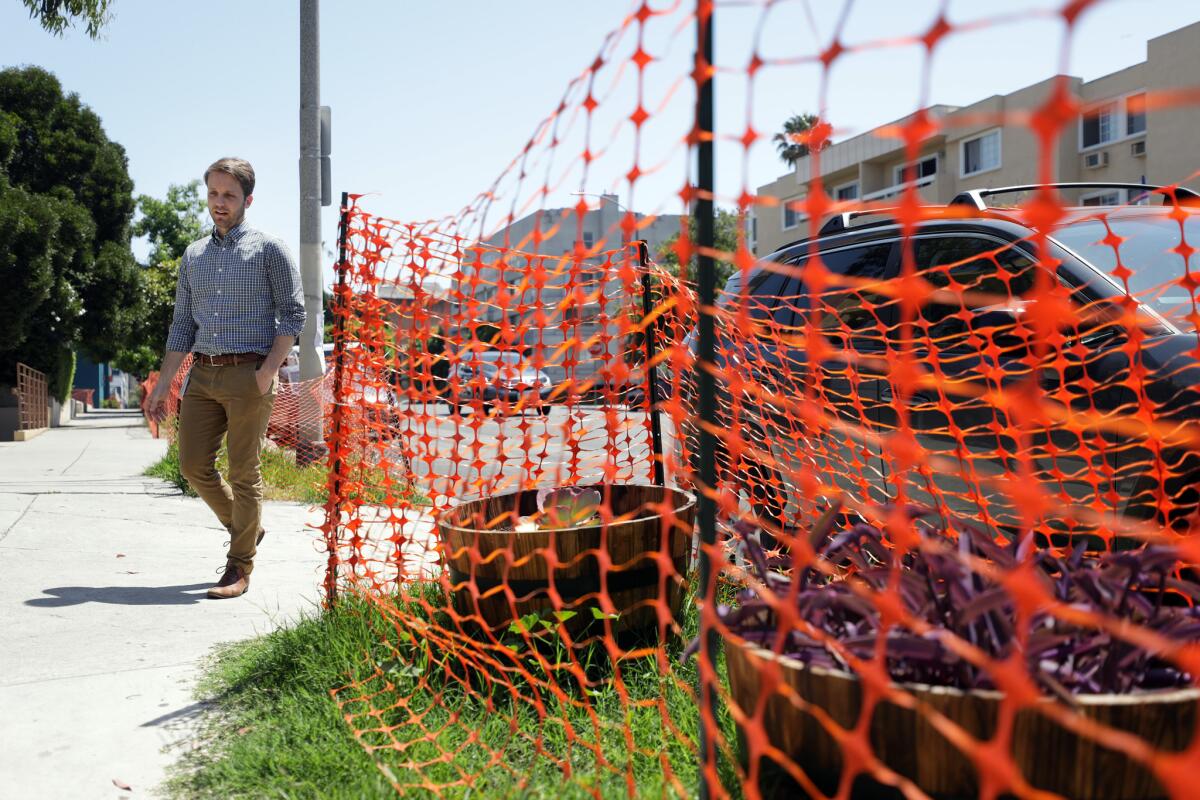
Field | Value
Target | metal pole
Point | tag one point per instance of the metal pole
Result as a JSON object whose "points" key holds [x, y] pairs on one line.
{"points": [[333, 507], [311, 362], [705, 379], [651, 341]]}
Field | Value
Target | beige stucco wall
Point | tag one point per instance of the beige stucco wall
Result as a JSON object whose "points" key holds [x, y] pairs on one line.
{"points": [[1172, 139], [1173, 134], [771, 235]]}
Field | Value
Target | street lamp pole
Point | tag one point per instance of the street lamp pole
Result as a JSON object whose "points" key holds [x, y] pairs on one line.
{"points": [[311, 360]]}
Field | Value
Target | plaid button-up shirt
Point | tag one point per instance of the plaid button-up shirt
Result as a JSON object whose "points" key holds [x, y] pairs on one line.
{"points": [[236, 293]]}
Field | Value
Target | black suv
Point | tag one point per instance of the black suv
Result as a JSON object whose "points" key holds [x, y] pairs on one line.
{"points": [[1126, 357]]}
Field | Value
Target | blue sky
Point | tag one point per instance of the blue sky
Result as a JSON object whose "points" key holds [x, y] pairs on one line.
{"points": [[432, 100]]}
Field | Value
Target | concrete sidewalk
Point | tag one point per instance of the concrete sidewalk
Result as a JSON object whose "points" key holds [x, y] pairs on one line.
{"points": [[103, 619]]}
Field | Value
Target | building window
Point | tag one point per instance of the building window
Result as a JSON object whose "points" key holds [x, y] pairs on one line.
{"points": [[847, 191], [791, 214], [588, 241], [752, 230], [1111, 121], [981, 154], [1135, 114], [1099, 126], [1114, 197], [923, 168]]}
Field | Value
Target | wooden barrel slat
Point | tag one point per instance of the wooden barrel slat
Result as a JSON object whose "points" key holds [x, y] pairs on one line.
{"points": [[631, 542], [1050, 757]]}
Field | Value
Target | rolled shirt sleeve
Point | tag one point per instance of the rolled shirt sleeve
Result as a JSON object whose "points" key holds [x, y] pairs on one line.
{"points": [[182, 335], [287, 291]]}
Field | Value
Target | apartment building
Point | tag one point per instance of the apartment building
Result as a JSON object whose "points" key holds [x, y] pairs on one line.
{"points": [[546, 241], [1117, 137]]}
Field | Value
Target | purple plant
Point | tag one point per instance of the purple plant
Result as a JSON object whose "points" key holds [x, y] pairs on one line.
{"points": [[938, 586]]}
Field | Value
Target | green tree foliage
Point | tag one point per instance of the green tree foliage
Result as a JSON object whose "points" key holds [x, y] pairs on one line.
{"points": [[173, 223], [725, 239], [169, 225], [66, 200], [27, 221], [56, 16], [793, 141]]}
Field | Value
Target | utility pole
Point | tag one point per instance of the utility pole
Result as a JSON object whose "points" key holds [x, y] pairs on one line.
{"points": [[314, 160]]}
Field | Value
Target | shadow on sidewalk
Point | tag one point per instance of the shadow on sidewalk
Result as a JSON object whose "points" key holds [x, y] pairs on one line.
{"points": [[121, 595]]}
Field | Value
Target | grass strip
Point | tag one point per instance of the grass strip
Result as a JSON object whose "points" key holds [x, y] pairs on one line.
{"points": [[430, 723], [284, 479]]}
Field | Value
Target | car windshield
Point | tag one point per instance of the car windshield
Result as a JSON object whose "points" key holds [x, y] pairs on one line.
{"points": [[1149, 250]]}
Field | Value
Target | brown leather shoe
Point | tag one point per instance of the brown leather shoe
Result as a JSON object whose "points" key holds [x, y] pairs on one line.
{"points": [[233, 583]]}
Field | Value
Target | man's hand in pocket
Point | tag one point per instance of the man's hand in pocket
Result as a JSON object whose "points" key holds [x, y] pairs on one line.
{"points": [[263, 378]]}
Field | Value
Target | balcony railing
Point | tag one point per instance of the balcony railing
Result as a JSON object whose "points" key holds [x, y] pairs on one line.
{"points": [[896, 189]]}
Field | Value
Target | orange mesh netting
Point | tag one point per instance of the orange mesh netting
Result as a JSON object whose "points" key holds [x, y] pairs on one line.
{"points": [[946, 452], [296, 417]]}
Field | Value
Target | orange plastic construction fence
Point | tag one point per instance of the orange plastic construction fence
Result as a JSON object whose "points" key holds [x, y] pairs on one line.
{"points": [[297, 417], [953, 446]]}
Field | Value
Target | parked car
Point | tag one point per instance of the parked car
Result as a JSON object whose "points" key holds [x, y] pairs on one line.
{"points": [[495, 377], [970, 337]]}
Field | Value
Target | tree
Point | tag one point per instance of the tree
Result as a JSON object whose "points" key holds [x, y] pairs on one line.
{"points": [[170, 225], [66, 200], [670, 326], [55, 16], [173, 223], [725, 238], [798, 132]]}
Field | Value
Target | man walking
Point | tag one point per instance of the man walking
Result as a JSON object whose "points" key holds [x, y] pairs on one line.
{"points": [[239, 307]]}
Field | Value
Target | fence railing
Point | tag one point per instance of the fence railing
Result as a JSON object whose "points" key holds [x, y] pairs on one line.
{"points": [[298, 405], [33, 399], [85, 396]]}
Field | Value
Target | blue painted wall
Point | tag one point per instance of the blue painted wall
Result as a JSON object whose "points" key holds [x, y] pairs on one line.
{"points": [[90, 375]]}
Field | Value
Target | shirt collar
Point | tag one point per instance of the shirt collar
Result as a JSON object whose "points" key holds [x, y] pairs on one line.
{"points": [[235, 233]]}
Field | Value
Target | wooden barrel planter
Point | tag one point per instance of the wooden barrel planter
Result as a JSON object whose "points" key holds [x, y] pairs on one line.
{"points": [[481, 552], [1049, 757]]}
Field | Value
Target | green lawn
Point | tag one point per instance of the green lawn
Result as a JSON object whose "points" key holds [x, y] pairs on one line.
{"points": [[439, 714], [283, 479]]}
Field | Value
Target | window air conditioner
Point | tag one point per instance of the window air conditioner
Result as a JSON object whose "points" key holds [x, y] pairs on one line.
{"points": [[1138, 148], [1096, 160]]}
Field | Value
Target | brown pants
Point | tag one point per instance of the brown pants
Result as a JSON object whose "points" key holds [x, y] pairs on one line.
{"points": [[220, 401]]}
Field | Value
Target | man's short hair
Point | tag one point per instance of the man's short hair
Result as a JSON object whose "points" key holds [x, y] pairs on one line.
{"points": [[238, 168]]}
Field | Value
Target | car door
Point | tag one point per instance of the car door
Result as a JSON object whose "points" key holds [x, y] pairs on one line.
{"points": [[975, 350], [817, 421], [849, 319], [751, 326]]}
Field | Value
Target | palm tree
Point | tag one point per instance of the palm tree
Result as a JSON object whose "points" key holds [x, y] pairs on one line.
{"points": [[791, 150]]}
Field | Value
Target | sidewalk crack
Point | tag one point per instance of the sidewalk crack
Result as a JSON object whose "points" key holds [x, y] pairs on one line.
{"points": [[17, 521], [76, 461]]}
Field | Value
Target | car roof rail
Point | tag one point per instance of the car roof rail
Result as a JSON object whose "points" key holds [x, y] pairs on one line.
{"points": [[840, 222], [976, 197]]}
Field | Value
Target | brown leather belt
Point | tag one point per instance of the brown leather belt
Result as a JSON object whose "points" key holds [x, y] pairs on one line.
{"points": [[228, 359]]}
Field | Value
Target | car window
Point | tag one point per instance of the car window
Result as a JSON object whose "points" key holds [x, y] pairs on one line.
{"points": [[848, 306], [768, 298], [1151, 247], [974, 273], [771, 298]]}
